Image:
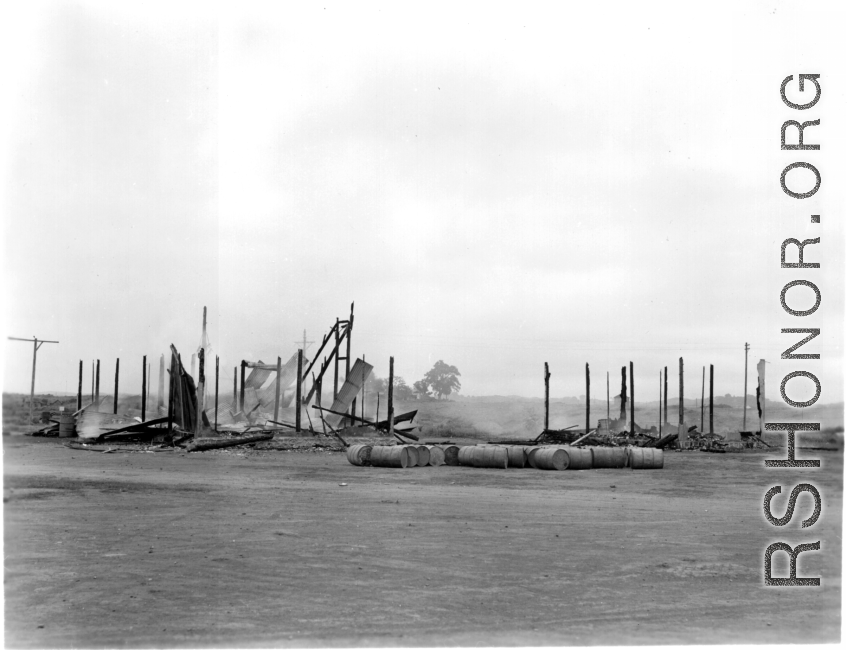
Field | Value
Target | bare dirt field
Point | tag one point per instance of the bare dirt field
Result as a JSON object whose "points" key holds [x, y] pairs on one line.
{"points": [[268, 548]]}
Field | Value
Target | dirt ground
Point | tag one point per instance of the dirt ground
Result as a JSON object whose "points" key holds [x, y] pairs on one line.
{"points": [[274, 548]]}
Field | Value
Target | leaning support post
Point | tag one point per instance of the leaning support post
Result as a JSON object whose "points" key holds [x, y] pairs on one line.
{"points": [[217, 378], [546, 397], [117, 375], [79, 390], [278, 385], [632, 395], [587, 399], [298, 398], [391, 396], [711, 398], [144, 389]]}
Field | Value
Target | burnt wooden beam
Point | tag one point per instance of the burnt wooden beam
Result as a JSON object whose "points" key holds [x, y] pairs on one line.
{"points": [[117, 375], [711, 399], [217, 378], [79, 390], [632, 395], [391, 395], [241, 403], [144, 389], [97, 386], [587, 397], [278, 387], [298, 398], [546, 396]]}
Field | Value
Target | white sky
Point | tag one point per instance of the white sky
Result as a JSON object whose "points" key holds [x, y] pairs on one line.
{"points": [[494, 186]]}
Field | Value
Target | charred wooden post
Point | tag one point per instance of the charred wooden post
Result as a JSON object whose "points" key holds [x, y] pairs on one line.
{"points": [[660, 403], [681, 397], [391, 396], [632, 396], [243, 370], [347, 356], [97, 386], [546, 397], [160, 397], [744, 422], [217, 377], [117, 375], [608, 404], [92, 381], [171, 397], [235, 389], [278, 386], [702, 399], [337, 344], [623, 394], [711, 398], [144, 389], [666, 394], [298, 398], [201, 392], [79, 390], [587, 399]]}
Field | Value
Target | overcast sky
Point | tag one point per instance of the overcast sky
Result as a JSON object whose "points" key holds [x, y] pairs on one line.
{"points": [[493, 186]]}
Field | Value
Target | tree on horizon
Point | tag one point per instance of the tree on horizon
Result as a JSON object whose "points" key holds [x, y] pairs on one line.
{"points": [[443, 379]]}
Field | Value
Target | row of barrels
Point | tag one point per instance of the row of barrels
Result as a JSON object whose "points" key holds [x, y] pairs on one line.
{"points": [[502, 456]]}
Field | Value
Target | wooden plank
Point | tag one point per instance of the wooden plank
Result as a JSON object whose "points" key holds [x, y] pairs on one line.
{"points": [[214, 443]]}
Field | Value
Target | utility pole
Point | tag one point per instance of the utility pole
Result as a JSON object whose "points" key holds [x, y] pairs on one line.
{"points": [[746, 350], [306, 343], [36, 343]]}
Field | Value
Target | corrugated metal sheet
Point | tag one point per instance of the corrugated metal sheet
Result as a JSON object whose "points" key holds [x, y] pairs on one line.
{"points": [[359, 374], [256, 378]]}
